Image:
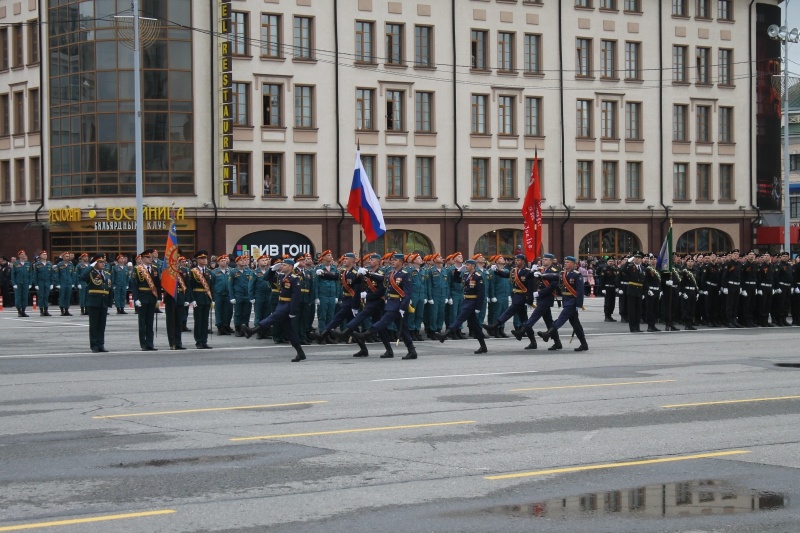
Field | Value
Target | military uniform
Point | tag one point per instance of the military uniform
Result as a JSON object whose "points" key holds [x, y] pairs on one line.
{"points": [[688, 293], [652, 296], [349, 299], [474, 290], [501, 291], [145, 289], [81, 269], [570, 285], [519, 281], [545, 294], [731, 286], [120, 282], [223, 309], [200, 294], [748, 294], [439, 291], [261, 290], [327, 294], [607, 286], [634, 291], [764, 276], [456, 297], [783, 291], [43, 281], [66, 273], [98, 288], [374, 305], [22, 281], [173, 311], [241, 294]]}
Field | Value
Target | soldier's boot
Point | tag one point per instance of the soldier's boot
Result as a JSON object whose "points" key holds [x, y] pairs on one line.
{"points": [[518, 333], [342, 336], [460, 334], [62, 311], [483, 348], [532, 338], [249, 332], [412, 353], [323, 337], [20, 313], [584, 347], [363, 352], [441, 337], [389, 353], [491, 329], [301, 356], [227, 328], [545, 336], [651, 328], [222, 331], [259, 334], [66, 312], [239, 332], [41, 312], [690, 327], [501, 331]]}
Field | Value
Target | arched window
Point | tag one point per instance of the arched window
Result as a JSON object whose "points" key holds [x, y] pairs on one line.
{"points": [[400, 240], [704, 240], [608, 241], [502, 241]]}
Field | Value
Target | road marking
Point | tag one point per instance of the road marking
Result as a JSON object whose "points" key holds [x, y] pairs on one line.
{"points": [[614, 465], [210, 409], [459, 375], [87, 520], [732, 401], [361, 430], [596, 385]]}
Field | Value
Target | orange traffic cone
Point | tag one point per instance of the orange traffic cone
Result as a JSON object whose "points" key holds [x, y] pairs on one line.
{"points": [[130, 301], [1, 303], [591, 290], [35, 307]]}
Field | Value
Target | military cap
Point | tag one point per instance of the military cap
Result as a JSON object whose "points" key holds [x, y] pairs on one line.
{"points": [[64, 254], [398, 256], [386, 256], [570, 258], [21, 252], [547, 256], [471, 262], [98, 257], [638, 254], [375, 256], [119, 256], [350, 255], [326, 252], [81, 256], [201, 254], [520, 256], [299, 257], [243, 256], [288, 261], [223, 256], [784, 252], [735, 251]]}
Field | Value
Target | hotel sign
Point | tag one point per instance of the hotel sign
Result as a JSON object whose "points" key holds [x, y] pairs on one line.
{"points": [[226, 96], [116, 219]]}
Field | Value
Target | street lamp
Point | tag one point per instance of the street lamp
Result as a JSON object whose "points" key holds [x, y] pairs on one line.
{"points": [[786, 36]]}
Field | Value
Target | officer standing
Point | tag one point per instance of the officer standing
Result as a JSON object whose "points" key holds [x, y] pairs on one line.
{"points": [[43, 278], [419, 295], [146, 284], [747, 294], [173, 311], [241, 294], [521, 285], [687, 291], [456, 293], [474, 301], [199, 293], [65, 278], [502, 293], [570, 284], [183, 269], [652, 288], [350, 279], [607, 286], [98, 288], [223, 309], [783, 291], [327, 290], [119, 280], [795, 298], [549, 278], [622, 288], [21, 281], [731, 286], [261, 289], [82, 267], [635, 279], [439, 293]]}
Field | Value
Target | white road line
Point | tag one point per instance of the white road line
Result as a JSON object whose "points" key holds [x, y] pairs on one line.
{"points": [[459, 375]]}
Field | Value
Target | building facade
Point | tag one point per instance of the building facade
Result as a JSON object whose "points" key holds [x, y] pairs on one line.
{"points": [[637, 112]]}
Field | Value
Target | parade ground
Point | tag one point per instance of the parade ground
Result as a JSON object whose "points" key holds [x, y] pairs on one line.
{"points": [[689, 431]]}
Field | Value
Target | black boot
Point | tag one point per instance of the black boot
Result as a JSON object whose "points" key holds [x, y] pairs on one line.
{"points": [[690, 327], [491, 329], [389, 353], [546, 335], [62, 311], [483, 348], [412, 353], [532, 345], [651, 329], [518, 332], [342, 336], [556, 346], [502, 332], [363, 347], [442, 336], [301, 356], [582, 348], [222, 331], [249, 332], [239, 332]]}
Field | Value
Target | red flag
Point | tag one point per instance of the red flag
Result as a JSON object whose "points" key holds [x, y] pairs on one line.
{"points": [[532, 214], [169, 277]]}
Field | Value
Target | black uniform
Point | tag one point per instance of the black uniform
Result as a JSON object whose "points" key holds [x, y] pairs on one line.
{"points": [[651, 297], [710, 279], [198, 291], [98, 287], [764, 280], [635, 290], [731, 285], [146, 292], [747, 295], [783, 292], [174, 313], [688, 292], [607, 285]]}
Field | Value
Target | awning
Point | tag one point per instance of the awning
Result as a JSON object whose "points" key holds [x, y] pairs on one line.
{"points": [[774, 235], [794, 188]]}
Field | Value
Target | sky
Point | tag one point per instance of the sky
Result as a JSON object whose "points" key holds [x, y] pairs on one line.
{"points": [[794, 48]]}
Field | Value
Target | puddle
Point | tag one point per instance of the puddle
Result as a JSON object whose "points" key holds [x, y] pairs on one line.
{"points": [[689, 498], [788, 365], [202, 460]]}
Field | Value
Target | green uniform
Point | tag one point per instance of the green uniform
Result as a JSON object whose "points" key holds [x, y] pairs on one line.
{"points": [[98, 288]]}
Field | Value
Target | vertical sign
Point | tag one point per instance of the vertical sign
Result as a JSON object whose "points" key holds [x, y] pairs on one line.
{"points": [[226, 96]]}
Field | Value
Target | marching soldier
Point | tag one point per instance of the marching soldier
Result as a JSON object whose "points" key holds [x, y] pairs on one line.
{"points": [[350, 279], [98, 288], [570, 285], [607, 286], [261, 289], [688, 293], [501, 290], [419, 295], [521, 283], [670, 300], [622, 288], [65, 278], [82, 267], [456, 293], [173, 311], [241, 294], [474, 301], [199, 293], [43, 279], [22, 281], [634, 276], [549, 278], [223, 309], [711, 282], [145, 287]]}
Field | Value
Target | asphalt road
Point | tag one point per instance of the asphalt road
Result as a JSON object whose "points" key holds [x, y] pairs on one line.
{"points": [[239, 439]]}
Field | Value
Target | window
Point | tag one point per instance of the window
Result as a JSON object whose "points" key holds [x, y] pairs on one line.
{"points": [[584, 180], [633, 70], [704, 181], [19, 113], [399, 240], [395, 176], [679, 8], [608, 120], [613, 242], [5, 182], [394, 111], [3, 48], [364, 117], [703, 9], [5, 119], [424, 177], [394, 44], [608, 59], [634, 6], [365, 32], [505, 51], [794, 206], [241, 103], [273, 174], [303, 106], [680, 182], [608, 4], [703, 123], [241, 174], [480, 178], [633, 121], [480, 51], [679, 118], [505, 115], [303, 38], [679, 72], [725, 67], [583, 57], [794, 162], [726, 182], [533, 53], [584, 119], [703, 240], [271, 35], [34, 111], [609, 180], [271, 96], [533, 116], [506, 179], [725, 10], [633, 180], [304, 175], [479, 113], [35, 179], [240, 33], [369, 166], [19, 180], [423, 46], [583, 3], [424, 112], [17, 49], [529, 173], [33, 41], [703, 65]]}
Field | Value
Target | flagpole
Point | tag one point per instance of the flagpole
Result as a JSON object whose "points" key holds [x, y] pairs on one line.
{"points": [[671, 277]]}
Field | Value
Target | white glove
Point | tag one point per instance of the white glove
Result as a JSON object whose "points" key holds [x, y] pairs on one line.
{"points": [[630, 260], [535, 268], [536, 294], [425, 302], [253, 301], [186, 304], [603, 291], [57, 286], [319, 272], [744, 293], [292, 316], [759, 292], [510, 300], [364, 295], [402, 312], [137, 303], [537, 274], [355, 312], [724, 291], [362, 271], [316, 301], [477, 311], [336, 300], [275, 267], [493, 300], [73, 286], [669, 283], [463, 268], [450, 301], [493, 267], [194, 304], [233, 300], [797, 290], [620, 292], [778, 291], [15, 286], [642, 296], [79, 286], [685, 296], [36, 287], [51, 287], [704, 293], [650, 293]]}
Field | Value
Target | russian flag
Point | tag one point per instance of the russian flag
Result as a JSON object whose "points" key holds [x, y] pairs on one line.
{"points": [[363, 204]]}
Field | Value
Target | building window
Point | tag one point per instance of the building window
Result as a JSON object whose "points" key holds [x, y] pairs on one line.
{"points": [[241, 174], [424, 112], [703, 65], [34, 111], [364, 117], [4, 48], [583, 57], [304, 175], [17, 48], [703, 9], [505, 242], [634, 6], [633, 121], [507, 179], [271, 97], [794, 162], [726, 182], [794, 206], [584, 180], [480, 50], [680, 182], [19, 113], [703, 240], [584, 119], [5, 182], [424, 177], [680, 114], [35, 178], [303, 106], [365, 32], [369, 167], [703, 123], [271, 36], [505, 51], [505, 115], [533, 116], [609, 180], [33, 42], [240, 33], [608, 59], [241, 107], [725, 10], [583, 3], [679, 64], [399, 240], [608, 120], [479, 113], [19, 180], [633, 70], [533, 53], [395, 177], [633, 180], [704, 181], [5, 119], [273, 174], [608, 4], [612, 242], [423, 46], [480, 178], [679, 8], [394, 44], [303, 38], [529, 174], [394, 111], [725, 67]]}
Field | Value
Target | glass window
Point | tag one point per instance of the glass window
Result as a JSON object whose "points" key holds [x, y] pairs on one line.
{"points": [[423, 46], [479, 113], [505, 115], [395, 176], [633, 180], [583, 3], [506, 242], [19, 113], [794, 206], [20, 182], [583, 57], [725, 67], [634, 6], [608, 119], [702, 240], [703, 123], [5, 182], [633, 69], [480, 51], [609, 180], [633, 120], [679, 118], [505, 51], [584, 180], [394, 44], [369, 166], [529, 175], [533, 116], [303, 38], [608, 4], [364, 41], [725, 10], [303, 106], [679, 8], [33, 41], [395, 120], [240, 33], [612, 242], [584, 119], [364, 99], [703, 9], [17, 49], [533, 53], [273, 174], [726, 182], [3, 48], [241, 174], [424, 111], [5, 119], [679, 64], [424, 172], [304, 175], [704, 181], [506, 179], [271, 98], [36, 178], [703, 65], [399, 240], [271, 35], [680, 182], [241, 97], [480, 177], [608, 59]]}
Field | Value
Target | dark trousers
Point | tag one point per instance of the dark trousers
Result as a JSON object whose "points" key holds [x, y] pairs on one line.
{"points": [[518, 308], [372, 310], [651, 309], [344, 313], [281, 316], [687, 308], [173, 315], [609, 301], [570, 314], [712, 305], [201, 318], [391, 315], [241, 313], [469, 315], [623, 301], [97, 327], [146, 315], [545, 312], [732, 304], [746, 304], [634, 305]]}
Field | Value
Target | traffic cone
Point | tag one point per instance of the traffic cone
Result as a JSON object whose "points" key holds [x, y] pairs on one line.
{"points": [[1, 303], [591, 291], [35, 307], [130, 301]]}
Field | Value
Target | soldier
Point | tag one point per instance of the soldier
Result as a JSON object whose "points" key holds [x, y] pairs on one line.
{"points": [[289, 301], [119, 281], [634, 276], [241, 295], [456, 293], [521, 286], [652, 294], [43, 278], [173, 311], [309, 309], [261, 289], [474, 300], [501, 291], [200, 295], [21, 281], [783, 291], [223, 309], [687, 291], [480, 267], [350, 279], [670, 300], [549, 278], [145, 288], [439, 294], [747, 294], [98, 288], [5, 279], [419, 295], [327, 291], [607, 286], [570, 284], [622, 287], [81, 268], [183, 268], [65, 278], [731, 286], [795, 299], [764, 280]]}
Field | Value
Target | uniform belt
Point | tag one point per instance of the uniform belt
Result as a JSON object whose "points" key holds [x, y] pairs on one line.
{"points": [[517, 291], [712, 284], [394, 296], [734, 282], [690, 288], [623, 282], [199, 290], [749, 282], [766, 284], [784, 284], [634, 284], [470, 296], [305, 290], [145, 288], [283, 299], [606, 286], [273, 290], [97, 291]]}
